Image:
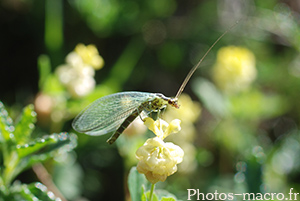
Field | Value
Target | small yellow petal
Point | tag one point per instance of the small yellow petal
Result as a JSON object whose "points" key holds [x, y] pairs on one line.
{"points": [[174, 127], [161, 124], [161, 128], [90, 55], [149, 122]]}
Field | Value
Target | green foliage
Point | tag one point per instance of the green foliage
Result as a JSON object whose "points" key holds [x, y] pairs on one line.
{"points": [[136, 184], [25, 125], [19, 151], [30, 192], [139, 189]]}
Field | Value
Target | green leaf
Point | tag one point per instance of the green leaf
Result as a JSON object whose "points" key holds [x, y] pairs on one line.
{"points": [[146, 196], [40, 191], [37, 151], [22, 193], [6, 126], [212, 99], [254, 175], [139, 188], [164, 195], [168, 199], [136, 184], [143, 198], [32, 192], [25, 125], [47, 144]]}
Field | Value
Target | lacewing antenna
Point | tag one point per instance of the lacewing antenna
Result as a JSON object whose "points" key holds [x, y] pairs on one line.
{"points": [[189, 75]]}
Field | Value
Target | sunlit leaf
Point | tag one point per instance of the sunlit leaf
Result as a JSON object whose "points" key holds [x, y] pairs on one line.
{"points": [[164, 195], [136, 181], [138, 184], [146, 196], [6, 126], [42, 149], [168, 199], [47, 144], [32, 192], [25, 125], [41, 192]]}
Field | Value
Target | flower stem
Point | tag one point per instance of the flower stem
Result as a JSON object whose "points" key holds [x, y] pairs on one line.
{"points": [[151, 192]]}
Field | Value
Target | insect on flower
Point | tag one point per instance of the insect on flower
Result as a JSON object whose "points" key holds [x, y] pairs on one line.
{"points": [[114, 113]]}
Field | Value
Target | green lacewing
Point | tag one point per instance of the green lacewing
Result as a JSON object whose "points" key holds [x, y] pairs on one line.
{"points": [[114, 113]]}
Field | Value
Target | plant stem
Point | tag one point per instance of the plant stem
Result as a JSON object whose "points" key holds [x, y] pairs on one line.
{"points": [[151, 192]]}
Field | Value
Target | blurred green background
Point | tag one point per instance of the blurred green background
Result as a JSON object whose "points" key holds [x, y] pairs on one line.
{"points": [[241, 140]]}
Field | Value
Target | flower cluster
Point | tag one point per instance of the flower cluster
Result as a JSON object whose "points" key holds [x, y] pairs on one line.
{"points": [[234, 69], [159, 159], [77, 75]]}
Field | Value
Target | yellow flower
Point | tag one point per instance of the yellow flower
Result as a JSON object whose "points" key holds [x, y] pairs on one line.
{"points": [[234, 69], [90, 56], [158, 159], [77, 75]]}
